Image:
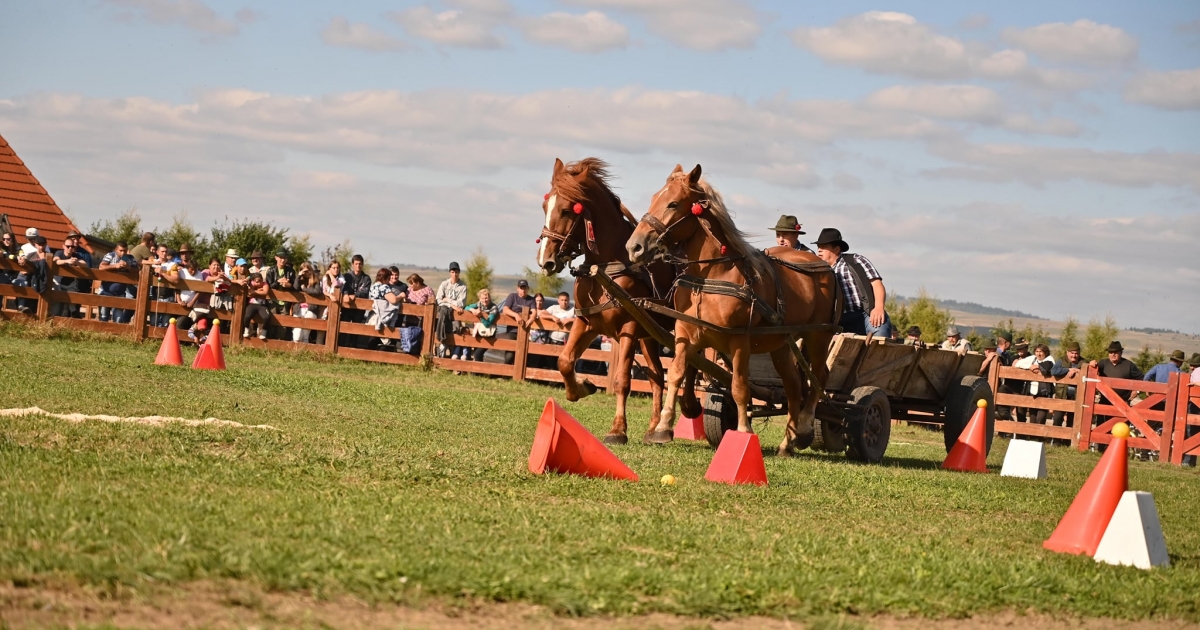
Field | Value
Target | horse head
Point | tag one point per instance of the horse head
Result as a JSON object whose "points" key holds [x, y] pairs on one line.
{"points": [[667, 221], [578, 209]]}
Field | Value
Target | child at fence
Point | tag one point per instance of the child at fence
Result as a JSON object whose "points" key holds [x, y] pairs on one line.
{"points": [[308, 282], [256, 307], [387, 296], [488, 312]]}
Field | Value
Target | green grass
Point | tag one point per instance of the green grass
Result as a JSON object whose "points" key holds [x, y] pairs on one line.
{"points": [[395, 484]]}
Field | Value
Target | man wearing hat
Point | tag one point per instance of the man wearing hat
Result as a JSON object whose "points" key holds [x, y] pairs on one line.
{"points": [[231, 258], [257, 265], [862, 286], [787, 233], [518, 305], [280, 276], [1075, 364], [185, 254], [1163, 371], [955, 342], [1117, 366], [913, 337], [28, 248], [450, 298]]}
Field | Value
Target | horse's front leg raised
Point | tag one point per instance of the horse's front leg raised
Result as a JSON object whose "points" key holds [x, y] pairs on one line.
{"points": [[666, 419], [577, 341], [624, 362]]}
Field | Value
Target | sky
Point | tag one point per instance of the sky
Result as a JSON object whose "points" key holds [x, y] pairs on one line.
{"points": [[1043, 157]]}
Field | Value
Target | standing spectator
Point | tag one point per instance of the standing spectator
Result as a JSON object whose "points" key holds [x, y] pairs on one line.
{"points": [[83, 285], [387, 298], [1163, 371], [29, 247], [862, 286], [1022, 361], [256, 307], [195, 302], [257, 265], [68, 256], [185, 256], [8, 251], [280, 277], [231, 258], [36, 274], [356, 285], [488, 312], [1116, 366], [518, 305], [309, 284], [1044, 365], [332, 281], [534, 320], [166, 269], [787, 233], [564, 313], [1075, 364], [912, 337], [1194, 382], [145, 249], [955, 342], [450, 297]]}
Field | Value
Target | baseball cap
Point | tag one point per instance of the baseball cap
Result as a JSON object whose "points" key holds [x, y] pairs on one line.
{"points": [[31, 232], [523, 283], [454, 267]]}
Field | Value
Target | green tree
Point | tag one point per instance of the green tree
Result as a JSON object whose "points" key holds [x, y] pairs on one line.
{"points": [[1034, 335], [1002, 327], [478, 273], [247, 236], [342, 253], [300, 248], [548, 286], [180, 232], [1147, 358], [127, 228], [1098, 335], [924, 313], [1069, 334]]}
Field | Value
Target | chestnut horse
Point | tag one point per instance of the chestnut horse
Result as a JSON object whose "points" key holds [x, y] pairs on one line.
{"points": [[584, 217], [735, 287]]}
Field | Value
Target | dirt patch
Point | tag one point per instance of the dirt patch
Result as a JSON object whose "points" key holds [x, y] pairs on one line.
{"points": [[237, 605], [155, 421]]}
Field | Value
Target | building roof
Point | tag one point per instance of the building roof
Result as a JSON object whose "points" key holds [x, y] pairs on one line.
{"points": [[26, 203]]}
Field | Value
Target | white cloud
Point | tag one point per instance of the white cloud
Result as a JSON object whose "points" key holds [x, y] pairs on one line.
{"points": [[846, 181], [340, 32], [975, 22], [589, 32], [951, 102], [192, 14], [694, 24], [897, 43], [1082, 41], [472, 26], [1175, 89]]}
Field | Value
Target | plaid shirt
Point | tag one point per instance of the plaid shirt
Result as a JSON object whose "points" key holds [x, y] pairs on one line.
{"points": [[850, 289]]}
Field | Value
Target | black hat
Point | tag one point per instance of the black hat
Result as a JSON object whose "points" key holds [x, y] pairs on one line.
{"points": [[1007, 336], [1021, 343], [523, 283], [1115, 347], [788, 223], [454, 267], [281, 253], [831, 236], [914, 331]]}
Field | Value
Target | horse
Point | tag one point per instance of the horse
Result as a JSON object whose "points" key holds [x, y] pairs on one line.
{"points": [[583, 217], [735, 288]]}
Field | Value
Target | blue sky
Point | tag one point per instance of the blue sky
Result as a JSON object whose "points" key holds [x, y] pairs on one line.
{"points": [[1038, 156]]}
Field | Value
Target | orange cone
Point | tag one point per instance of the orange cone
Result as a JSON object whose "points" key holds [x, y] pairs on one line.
{"points": [[969, 453], [1082, 527], [690, 429], [168, 352], [738, 460], [563, 445], [200, 361], [214, 343]]}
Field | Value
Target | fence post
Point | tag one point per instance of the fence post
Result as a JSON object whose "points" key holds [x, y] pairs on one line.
{"points": [[143, 303], [427, 330], [1080, 405], [1170, 404], [1089, 407], [239, 314], [333, 318], [522, 353]]}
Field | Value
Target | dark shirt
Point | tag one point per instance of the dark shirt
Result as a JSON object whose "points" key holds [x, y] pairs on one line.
{"points": [[356, 284], [514, 301], [1124, 368], [68, 283], [273, 276]]}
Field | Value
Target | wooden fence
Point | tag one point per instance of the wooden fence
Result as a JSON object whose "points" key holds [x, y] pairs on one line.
{"points": [[531, 361], [1187, 414], [1015, 378], [1111, 407]]}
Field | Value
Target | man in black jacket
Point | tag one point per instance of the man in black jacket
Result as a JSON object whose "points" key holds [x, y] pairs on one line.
{"points": [[357, 284], [280, 277]]}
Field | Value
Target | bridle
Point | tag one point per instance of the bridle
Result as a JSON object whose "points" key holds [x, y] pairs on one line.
{"points": [[661, 230], [569, 248]]}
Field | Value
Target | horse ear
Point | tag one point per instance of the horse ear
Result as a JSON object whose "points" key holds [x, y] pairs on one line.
{"points": [[678, 169], [558, 166], [582, 175], [694, 176]]}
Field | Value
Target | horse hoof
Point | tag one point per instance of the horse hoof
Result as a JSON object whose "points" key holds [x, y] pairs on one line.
{"points": [[690, 407], [785, 452], [590, 387], [616, 438], [804, 440], [659, 437]]}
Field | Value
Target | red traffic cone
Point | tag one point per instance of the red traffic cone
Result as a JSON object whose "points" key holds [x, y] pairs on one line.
{"points": [[738, 460], [690, 429], [216, 354], [563, 445], [1082, 527], [200, 362], [168, 352], [969, 453]]}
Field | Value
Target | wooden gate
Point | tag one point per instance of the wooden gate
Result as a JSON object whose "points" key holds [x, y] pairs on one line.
{"points": [[1187, 414], [1111, 408], [1071, 425]]}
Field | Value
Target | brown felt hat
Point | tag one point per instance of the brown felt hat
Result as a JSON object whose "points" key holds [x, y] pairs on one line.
{"points": [[1073, 347], [1194, 360], [255, 254], [1178, 356], [788, 223], [185, 248]]}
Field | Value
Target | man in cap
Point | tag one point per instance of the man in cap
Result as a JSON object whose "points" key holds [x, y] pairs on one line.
{"points": [[787, 233], [451, 297], [1117, 366], [913, 337], [1075, 364], [990, 356], [518, 305], [231, 258], [1163, 371], [280, 276], [145, 249], [29, 248], [257, 265], [955, 342], [862, 286], [185, 254]]}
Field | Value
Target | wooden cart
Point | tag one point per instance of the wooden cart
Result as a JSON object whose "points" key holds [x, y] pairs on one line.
{"points": [[871, 382]]}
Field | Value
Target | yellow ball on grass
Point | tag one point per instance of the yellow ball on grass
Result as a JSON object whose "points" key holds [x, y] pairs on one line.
{"points": [[668, 480]]}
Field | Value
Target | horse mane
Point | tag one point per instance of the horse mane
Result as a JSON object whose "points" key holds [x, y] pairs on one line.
{"points": [[736, 239], [598, 175]]}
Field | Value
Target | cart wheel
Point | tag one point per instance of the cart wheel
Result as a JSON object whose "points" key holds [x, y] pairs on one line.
{"points": [[720, 415], [961, 403], [868, 430], [828, 437]]}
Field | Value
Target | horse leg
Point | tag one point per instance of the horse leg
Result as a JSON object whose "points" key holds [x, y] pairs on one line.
{"points": [[650, 352], [577, 341], [624, 361], [793, 385], [666, 418], [689, 404], [816, 349], [740, 350]]}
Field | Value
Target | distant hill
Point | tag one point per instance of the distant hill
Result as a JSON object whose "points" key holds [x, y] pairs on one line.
{"points": [[978, 309]]}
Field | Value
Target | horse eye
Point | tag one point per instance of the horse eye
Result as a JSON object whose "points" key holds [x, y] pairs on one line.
{"points": [[672, 205]]}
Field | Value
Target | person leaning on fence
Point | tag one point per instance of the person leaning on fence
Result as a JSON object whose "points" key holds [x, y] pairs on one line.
{"points": [[356, 284], [488, 312], [36, 275], [518, 305], [954, 341], [231, 257], [8, 251], [912, 337], [450, 297], [1116, 366], [29, 248], [280, 276], [1163, 371], [1075, 364], [66, 257], [308, 283], [386, 298], [1023, 360], [146, 249], [196, 302], [256, 306], [1045, 366], [166, 269], [862, 286], [82, 285], [787, 233], [564, 314]]}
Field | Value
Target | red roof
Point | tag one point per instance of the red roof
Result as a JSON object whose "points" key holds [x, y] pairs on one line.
{"points": [[26, 203]]}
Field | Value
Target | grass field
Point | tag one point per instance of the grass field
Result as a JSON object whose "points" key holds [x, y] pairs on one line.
{"points": [[396, 485]]}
